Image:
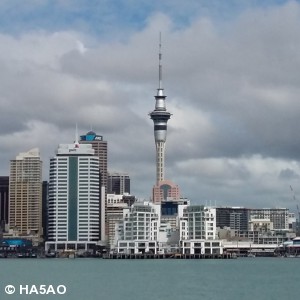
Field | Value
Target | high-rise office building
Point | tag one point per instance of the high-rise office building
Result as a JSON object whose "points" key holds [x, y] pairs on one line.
{"points": [[160, 117], [4, 186], [118, 183], [25, 193], [100, 148], [73, 198]]}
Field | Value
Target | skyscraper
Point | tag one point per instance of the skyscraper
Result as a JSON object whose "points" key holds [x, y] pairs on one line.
{"points": [[118, 183], [160, 117], [4, 185], [100, 148], [25, 193], [73, 198]]}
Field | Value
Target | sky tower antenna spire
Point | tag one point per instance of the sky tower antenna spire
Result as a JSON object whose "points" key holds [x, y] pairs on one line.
{"points": [[160, 65]]}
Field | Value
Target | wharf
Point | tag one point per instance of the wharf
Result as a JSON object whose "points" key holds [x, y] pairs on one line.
{"points": [[168, 256]]}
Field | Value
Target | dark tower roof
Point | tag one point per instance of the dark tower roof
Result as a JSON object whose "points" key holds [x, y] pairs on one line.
{"points": [[91, 133]]}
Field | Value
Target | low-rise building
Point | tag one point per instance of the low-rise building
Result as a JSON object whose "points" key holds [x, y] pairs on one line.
{"points": [[201, 247]]}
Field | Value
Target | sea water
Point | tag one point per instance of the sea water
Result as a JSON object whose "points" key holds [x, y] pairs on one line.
{"points": [[91, 279]]}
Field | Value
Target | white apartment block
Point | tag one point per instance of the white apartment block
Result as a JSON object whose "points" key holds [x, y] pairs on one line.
{"points": [[198, 222], [141, 222], [140, 230], [198, 231]]}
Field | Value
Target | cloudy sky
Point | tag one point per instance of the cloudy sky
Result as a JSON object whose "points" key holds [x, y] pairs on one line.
{"points": [[231, 73]]}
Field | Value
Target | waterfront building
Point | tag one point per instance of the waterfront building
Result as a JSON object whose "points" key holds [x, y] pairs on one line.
{"points": [[118, 183], [198, 223], [73, 198], [141, 222], [138, 233], [165, 190], [198, 232], [4, 188], [269, 237], [207, 247], [160, 117], [100, 150], [137, 247], [25, 194]]}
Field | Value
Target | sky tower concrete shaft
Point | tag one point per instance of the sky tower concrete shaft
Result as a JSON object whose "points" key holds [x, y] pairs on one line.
{"points": [[160, 117]]}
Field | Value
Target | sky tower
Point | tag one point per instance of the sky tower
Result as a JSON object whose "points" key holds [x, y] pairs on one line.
{"points": [[160, 117]]}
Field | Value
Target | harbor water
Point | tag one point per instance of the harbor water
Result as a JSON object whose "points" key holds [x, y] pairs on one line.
{"points": [[91, 279]]}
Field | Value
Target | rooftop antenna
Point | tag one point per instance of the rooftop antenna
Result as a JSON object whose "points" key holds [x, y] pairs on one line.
{"points": [[76, 137]]}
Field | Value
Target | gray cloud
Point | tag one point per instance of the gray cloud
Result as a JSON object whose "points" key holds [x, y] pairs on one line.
{"points": [[233, 92], [288, 174]]}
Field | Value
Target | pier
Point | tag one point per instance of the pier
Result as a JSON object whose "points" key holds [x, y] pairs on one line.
{"points": [[168, 256]]}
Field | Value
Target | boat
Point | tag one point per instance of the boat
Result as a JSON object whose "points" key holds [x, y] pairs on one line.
{"points": [[50, 254], [290, 256], [251, 255]]}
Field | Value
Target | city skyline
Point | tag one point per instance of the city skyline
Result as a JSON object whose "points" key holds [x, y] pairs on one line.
{"points": [[230, 72]]}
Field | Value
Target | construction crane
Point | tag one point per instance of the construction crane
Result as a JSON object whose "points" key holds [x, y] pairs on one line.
{"points": [[298, 223]]}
